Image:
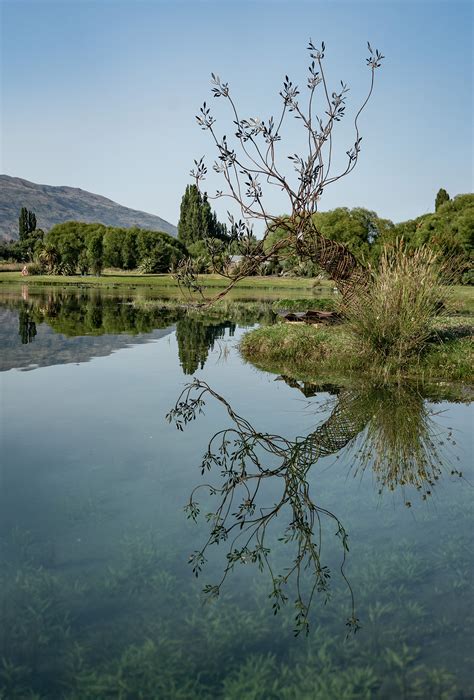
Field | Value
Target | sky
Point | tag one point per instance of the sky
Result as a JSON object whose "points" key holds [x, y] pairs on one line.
{"points": [[102, 94]]}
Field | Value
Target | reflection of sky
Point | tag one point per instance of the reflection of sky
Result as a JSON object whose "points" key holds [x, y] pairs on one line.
{"points": [[115, 87]]}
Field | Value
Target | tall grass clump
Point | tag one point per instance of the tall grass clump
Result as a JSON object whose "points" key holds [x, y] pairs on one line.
{"points": [[391, 317]]}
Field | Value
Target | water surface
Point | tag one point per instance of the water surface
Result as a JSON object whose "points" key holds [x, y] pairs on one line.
{"points": [[98, 596]]}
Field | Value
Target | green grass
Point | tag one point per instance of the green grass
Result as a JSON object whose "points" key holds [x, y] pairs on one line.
{"points": [[306, 304], [462, 298], [134, 279], [312, 353]]}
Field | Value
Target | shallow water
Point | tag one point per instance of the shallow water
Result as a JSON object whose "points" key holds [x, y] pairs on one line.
{"points": [[98, 598]]}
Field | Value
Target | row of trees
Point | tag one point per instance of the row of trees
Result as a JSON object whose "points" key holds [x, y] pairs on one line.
{"points": [[77, 247], [449, 231]]}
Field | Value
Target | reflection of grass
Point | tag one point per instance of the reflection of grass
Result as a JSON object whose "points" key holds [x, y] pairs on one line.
{"points": [[401, 442]]}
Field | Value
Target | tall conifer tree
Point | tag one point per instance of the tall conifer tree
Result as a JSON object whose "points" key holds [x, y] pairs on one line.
{"points": [[26, 223], [441, 198], [197, 220]]}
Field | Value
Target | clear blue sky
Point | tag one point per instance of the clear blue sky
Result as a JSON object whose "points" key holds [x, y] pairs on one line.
{"points": [[101, 94]]}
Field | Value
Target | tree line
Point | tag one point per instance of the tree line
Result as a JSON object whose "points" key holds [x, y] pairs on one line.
{"points": [[76, 247], [79, 247], [449, 231]]}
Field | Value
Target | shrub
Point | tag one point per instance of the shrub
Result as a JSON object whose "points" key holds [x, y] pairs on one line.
{"points": [[468, 277], [390, 318], [35, 269]]}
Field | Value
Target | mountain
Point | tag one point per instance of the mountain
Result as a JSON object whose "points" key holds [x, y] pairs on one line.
{"points": [[54, 205]]}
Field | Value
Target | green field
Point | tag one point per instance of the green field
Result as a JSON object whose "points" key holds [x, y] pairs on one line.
{"points": [[113, 279]]}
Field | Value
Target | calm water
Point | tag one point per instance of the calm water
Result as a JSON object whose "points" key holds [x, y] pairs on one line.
{"points": [[98, 595]]}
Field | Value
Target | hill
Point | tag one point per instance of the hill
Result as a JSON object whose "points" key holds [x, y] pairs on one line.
{"points": [[54, 205]]}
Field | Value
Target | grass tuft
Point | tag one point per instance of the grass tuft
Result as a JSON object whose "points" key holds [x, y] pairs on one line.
{"points": [[391, 318]]}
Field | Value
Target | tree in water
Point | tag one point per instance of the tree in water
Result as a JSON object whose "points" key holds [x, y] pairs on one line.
{"points": [[249, 165]]}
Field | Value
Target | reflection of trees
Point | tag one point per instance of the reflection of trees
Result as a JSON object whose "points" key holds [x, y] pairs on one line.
{"points": [[26, 326], [196, 338], [78, 313], [389, 428]]}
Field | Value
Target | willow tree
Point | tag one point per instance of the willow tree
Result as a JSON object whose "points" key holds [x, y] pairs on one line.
{"points": [[252, 161]]}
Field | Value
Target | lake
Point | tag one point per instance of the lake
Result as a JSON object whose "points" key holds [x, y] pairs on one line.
{"points": [[331, 525]]}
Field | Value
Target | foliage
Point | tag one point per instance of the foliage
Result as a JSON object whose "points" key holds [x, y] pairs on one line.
{"points": [[197, 222], [391, 317], [449, 232], [441, 197], [80, 246], [358, 229], [95, 251], [26, 223], [158, 252], [29, 243]]}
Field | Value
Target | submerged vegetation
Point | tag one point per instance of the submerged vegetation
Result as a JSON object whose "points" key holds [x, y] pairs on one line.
{"points": [[164, 644]]}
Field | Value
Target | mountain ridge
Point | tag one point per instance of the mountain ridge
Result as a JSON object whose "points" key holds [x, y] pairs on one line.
{"points": [[55, 204]]}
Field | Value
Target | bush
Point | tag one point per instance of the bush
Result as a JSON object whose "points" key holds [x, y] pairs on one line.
{"points": [[35, 269], [390, 318]]}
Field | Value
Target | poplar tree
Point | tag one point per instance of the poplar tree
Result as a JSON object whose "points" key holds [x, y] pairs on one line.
{"points": [[197, 221], [26, 223]]}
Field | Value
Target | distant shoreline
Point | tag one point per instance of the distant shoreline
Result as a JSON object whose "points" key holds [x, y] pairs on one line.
{"points": [[123, 279]]}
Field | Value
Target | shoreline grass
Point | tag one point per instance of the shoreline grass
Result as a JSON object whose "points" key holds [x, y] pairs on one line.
{"points": [[311, 353]]}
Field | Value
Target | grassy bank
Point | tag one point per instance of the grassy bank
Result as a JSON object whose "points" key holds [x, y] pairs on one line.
{"points": [[309, 352], [134, 279]]}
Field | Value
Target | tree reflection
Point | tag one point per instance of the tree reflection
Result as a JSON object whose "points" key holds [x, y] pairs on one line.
{"points": [[196, 338], [26, 326], [93, 314], [390, 429]]}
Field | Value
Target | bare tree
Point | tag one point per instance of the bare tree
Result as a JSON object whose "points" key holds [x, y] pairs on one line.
{"points": [[248, 164]]}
